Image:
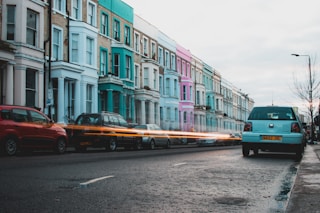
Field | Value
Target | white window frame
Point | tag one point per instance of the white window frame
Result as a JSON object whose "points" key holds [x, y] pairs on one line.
{"points": [[75, 47], [92, 15], [103, 62], [137, 42], [104, 24], [128, 67], [11, 24], [160, 55], [137, 75], [89, 51], [173, 61], [153, 50], [167, 59], [127, 37], [34, 30], [89, 98], [60, 6], [145, 46], [146, 76], [59, 53], [76, 11]]}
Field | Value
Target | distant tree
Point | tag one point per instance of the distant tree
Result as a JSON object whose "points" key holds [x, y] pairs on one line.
{"points": [[307, 90]]}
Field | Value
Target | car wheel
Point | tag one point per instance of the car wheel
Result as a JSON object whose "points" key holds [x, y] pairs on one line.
{"points": [[256, 151], [168, 146], [61, 146], [138, 144], [112, 144], [245, 150], [152, 144], [10, 146]]}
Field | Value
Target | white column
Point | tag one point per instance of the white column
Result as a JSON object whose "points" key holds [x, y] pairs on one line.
{"points": [[9, 90], [20, 86], [60, 105], [40, 89], [77, 111], [143, 111], [151, 113]]}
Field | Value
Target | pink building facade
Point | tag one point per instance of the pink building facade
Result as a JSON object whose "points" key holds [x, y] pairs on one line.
{"points": [[186, 104]]}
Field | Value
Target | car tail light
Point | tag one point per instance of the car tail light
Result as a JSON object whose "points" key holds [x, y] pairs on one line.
{"points": [[247, 127], [295, 127]]}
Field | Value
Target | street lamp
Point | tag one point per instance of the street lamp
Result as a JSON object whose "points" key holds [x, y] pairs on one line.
{"points": [[310, 94]]}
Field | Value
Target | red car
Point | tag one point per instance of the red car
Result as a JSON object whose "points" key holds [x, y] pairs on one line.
{"points": [[28, 128]]}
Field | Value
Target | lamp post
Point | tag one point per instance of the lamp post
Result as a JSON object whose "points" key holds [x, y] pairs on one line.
{"points": [[310, 95]]}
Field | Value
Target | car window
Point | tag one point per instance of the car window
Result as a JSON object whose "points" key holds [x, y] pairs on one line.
{"points": [[5, 114], [20, 115], [272, 113], [141, 127], [38, 118], [114, 120], [106, 120], [123, 122]]}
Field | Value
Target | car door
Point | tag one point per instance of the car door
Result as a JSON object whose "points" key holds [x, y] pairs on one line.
{"points": [[45, 135], [24, 129]]}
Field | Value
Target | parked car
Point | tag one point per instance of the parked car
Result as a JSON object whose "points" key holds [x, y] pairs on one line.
{"points": [[273, 128], [206, 141], [106, 129], [153, 136], [28, 128]]}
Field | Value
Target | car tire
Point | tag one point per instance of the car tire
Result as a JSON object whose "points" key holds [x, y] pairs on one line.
{"points": [[256, 151], [138, 144], [245, 150], [299, 151], [112, 144], [152, 144], [10, 146], [61, 146]]}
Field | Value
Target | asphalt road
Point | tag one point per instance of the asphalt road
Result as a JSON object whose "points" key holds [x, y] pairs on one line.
{"points": [[207, 179]]}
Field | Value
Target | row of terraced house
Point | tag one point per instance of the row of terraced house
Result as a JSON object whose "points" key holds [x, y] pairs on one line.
{"points": [[73, 56]]}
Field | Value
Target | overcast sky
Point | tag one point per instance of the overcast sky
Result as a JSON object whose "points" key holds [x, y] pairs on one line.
{"points": [[249, 42]]}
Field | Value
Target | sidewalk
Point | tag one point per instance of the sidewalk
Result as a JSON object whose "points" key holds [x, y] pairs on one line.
{"points": [[305, 194]]}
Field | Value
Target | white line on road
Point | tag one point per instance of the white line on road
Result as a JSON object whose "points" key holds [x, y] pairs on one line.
{"points": [[179, 164], [85, 184]]}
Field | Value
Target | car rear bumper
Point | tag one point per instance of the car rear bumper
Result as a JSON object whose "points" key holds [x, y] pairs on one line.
{"points": [[258, 138]]}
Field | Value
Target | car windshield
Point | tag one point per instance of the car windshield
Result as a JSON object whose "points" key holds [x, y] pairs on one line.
{"points": [[89, 119], [272, 113]]}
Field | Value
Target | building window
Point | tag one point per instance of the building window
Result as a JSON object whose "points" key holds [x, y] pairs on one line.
{"points": [[128, 67], [146, 76], [75, 47], [103, 62], [76, 9], [89, 99], [116, 30], [167, 92], [184, 95], [89, 51], [59, 5], [173, 62], [11, 9], [155, 76], [91, 14], [160, 85], [127, 35], [160, 56], [166, 59], [198, 98], [57, 43], [190, 92], [175, 87], [32, 22], [136, 75], [137, 42], [185, 117], [104, 24], [153, 50], [116, 64], [30, 88], [168, 114], [145, 46]]}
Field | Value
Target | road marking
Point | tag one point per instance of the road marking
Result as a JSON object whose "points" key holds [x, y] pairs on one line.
{"points": [[179, 164], [85, 184]]}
